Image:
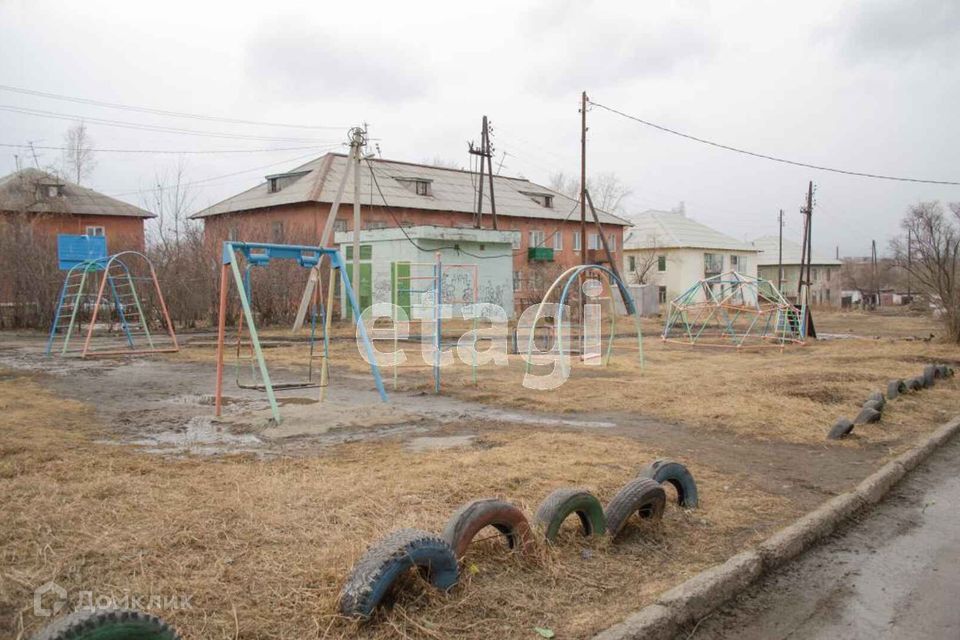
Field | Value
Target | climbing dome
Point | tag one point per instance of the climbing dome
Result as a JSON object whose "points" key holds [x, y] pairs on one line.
{"points": [[734, 310]]}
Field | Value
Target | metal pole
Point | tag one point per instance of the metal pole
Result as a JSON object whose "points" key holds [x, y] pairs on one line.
{"points": [[221, 335], [357, 138], [583, 178], [780, 258], [478, 221]]}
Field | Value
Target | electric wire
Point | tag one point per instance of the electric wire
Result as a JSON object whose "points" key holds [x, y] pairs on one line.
{"points": [[157, 151], [149, 127], [160, 112], [763, 156]]}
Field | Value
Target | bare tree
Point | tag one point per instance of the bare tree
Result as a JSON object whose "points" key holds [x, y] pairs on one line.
{"points": [[606, 189], [79, 160], [443, 163], [934, 258]]}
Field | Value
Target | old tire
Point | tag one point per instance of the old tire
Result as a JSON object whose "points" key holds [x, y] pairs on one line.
{"points": [[561, 503], [109, 624], [676, 474], [915, 384], [867, 415], [895, 388], [841, 429], [873, 403], [948, 373], [642, 496], [464, 525], [378, 569], [929, 376]]}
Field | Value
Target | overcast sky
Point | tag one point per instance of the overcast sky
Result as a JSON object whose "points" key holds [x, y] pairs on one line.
{"points": [[872, 87]]}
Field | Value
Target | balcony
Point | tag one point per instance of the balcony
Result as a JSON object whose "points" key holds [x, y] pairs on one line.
{"points": [[540, 254]]}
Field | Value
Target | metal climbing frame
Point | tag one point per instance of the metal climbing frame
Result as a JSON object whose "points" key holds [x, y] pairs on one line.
{"points": [[120, 305], [568, 277], [262, 253], [435, 288], [734, 310]]}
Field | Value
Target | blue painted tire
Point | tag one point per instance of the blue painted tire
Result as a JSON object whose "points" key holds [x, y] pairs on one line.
{"points": [[108, 624], [677, 475], [378, 569]]}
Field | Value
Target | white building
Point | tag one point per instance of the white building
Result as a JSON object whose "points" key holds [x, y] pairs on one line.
{"points": [[396, 265], [673, 252], [824, 272]]}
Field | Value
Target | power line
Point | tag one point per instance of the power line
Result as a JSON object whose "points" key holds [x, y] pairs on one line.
{"points": [[160, 151], [399, 225], [212, 178], [772, 158], [160, 112], [149, 127]]}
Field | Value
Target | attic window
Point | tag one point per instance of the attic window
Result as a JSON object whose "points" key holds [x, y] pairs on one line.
{"points": [[278, 181], [543, 199], [48, 191], [420, 186]]}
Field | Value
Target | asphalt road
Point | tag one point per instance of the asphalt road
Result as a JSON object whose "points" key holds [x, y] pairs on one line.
{"points": [[892, 574]]}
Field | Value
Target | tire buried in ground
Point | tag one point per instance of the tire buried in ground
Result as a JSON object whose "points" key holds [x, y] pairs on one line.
{"points": [[915, 384], [561, 503], [642, 496], [895, 388], [867, 415], [929, 376], [109, 624], [678, 475], [464, 525], [376, 572], [841, 429]]}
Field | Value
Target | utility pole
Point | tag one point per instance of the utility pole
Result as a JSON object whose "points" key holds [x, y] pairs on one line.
{"points": [[583, 178], [485, 151], [909, 260], [803, 286], [357, 141], [873, 268], [780, 258]]}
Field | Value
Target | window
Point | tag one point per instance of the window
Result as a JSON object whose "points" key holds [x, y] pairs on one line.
{"points": [[423, 188], [814, 275], [516, 281], [558, 240], [517, 239], [98, 232], [543, 199], [827, 273], [376, 224], [734, 263], [274, 185], [233, 233], [536, 238], [548, 201], [712, 263], [632, 261], [612, 242], [339, 226], [661, 263], [593, 241], [576, 241], [662, 294], [277, 231]]}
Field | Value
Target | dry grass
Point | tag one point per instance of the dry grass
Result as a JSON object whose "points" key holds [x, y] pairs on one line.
{"points": [[794, 396], [263, 546]]}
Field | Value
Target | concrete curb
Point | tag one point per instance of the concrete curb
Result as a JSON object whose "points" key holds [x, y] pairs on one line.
{"points": [[706, 591]]}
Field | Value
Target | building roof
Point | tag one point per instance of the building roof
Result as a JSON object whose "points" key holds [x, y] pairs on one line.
{"points": [[770, 250], [21, 191], [672, 230], [449, 190]]}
